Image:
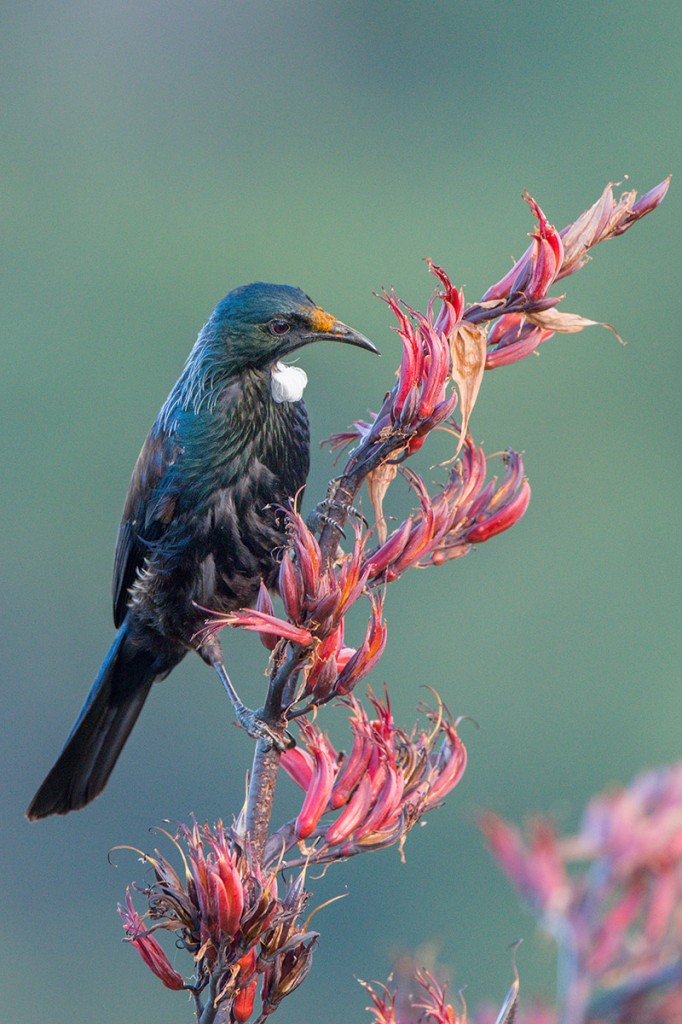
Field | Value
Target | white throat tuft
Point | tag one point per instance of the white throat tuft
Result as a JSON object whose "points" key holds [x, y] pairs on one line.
{"points": [[288, 383]]}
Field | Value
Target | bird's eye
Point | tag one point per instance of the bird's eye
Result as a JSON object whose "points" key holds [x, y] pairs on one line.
{"points": [[279, 327]]}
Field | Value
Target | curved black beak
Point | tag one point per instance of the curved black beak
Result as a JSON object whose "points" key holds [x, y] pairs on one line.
{"points": [[338, 331]]}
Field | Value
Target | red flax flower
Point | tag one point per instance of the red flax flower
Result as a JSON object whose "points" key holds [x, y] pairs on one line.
{"points": [[467, 511], [418, 401], [538, 268], [147, 946], [286, 950], [618, 919], [261, 620], [371, 797], [228, 915], [315, 599], [550, 257], [457, 343]]}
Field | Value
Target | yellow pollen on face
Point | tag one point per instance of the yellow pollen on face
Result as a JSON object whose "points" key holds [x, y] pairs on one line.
{"points": [[321, 321]]}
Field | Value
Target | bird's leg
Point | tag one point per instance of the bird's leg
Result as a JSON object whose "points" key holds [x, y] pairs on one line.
{"points": [[252, 722]]}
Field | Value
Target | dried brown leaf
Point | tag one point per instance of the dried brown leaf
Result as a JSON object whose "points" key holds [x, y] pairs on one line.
{"points": [[378, 482], [468, 349], [565, 323]]}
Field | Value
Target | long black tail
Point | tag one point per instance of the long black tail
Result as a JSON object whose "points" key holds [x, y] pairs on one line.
{"points": [[100, 732]]}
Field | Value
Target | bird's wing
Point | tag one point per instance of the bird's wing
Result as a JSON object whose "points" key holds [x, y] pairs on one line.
{"points": [[147, 513]]}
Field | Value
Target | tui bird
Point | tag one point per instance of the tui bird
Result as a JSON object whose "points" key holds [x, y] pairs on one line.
{"points": [[203, 518]]}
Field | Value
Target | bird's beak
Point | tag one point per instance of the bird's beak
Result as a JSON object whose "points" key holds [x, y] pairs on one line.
{"points": [[338, 331]]}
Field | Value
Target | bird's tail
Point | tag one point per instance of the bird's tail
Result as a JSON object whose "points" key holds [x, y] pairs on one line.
{"points": [[101, 730]]}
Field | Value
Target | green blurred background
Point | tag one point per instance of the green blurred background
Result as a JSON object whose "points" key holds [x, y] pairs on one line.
{"points": [[156, 155]]}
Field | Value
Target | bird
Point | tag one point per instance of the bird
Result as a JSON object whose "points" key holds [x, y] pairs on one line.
{"points": [[203, 521]]}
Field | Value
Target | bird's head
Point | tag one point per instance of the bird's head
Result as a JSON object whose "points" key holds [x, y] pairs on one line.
{"points": [[260, 323]]}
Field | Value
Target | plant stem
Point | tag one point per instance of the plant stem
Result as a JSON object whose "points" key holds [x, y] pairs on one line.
{"points": [[369, 454], [210, 1010], [262, 786]]}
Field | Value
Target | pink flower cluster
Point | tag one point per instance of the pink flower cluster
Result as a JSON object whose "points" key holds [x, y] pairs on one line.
{"points": [[456, 344], [467, 511], [228, 915], [525, 320], [399, 1005], [371, 797], [316, 599], [419, 997], [620, 917]]}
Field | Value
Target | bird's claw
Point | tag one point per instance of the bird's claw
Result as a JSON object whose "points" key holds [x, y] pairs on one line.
{"points": [[258, 729], [324, 520], [317, 518], [320, 516]]}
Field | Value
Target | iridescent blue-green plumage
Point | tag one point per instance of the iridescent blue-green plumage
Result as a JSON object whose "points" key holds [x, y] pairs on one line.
{"points": [[202, 522]]}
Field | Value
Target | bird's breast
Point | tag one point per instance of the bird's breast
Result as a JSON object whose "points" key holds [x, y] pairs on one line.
{"points": [[233, 479]]}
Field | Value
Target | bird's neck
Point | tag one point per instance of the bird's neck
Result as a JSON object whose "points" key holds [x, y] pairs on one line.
{"points": [[207, 371], [212, 396]]}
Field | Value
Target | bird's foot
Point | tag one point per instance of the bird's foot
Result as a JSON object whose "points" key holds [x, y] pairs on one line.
{"points": [[258, 729], [252, 722], [319, 517], [323, 515]]}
